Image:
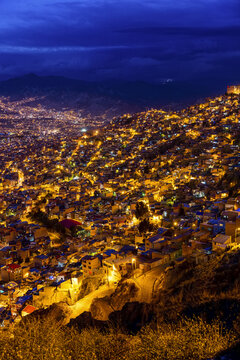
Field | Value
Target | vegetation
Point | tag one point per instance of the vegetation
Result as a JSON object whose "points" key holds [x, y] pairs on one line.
{"points": [[42, 218], [145, 226], [46, 339], [142, 214], [78, 231], [231, 181], [141, 210]]}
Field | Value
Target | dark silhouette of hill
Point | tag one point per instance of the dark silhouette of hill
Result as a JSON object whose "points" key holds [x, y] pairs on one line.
{"points": [[99, 97]]}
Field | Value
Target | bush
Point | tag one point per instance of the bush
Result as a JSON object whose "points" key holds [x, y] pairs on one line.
{"points": [[47, 340], [189, 339], [35, 340]]}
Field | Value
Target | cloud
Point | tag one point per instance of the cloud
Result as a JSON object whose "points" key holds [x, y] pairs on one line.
{"points": [[8, 49], [134, 39]]}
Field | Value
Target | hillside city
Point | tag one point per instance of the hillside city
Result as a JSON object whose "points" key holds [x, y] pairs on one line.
{"points": [[86, 203]]}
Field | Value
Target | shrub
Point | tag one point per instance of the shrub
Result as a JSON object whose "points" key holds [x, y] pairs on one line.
{"points": [[47, 340], [189, 339]]}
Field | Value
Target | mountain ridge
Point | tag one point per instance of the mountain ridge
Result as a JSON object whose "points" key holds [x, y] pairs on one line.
{"points": [[60, 92]]}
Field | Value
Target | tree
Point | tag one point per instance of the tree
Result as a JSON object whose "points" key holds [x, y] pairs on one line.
{"points": [[141, 210], [43, 219], [145, 226]]}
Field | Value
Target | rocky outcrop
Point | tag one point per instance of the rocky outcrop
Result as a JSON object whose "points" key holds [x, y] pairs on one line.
{"points": [[86, 320], [127, 291], [130, 318], [52, 294], [67, 291], [133, 316], [89, 284], [101, 308], [57, 312]]}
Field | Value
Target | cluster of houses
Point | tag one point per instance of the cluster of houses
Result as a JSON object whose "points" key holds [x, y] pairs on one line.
{"points": [[181, 165]]}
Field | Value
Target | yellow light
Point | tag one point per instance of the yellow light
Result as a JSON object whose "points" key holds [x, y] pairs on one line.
{"points": [[74, 281]]}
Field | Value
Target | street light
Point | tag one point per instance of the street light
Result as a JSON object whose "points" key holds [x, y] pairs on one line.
{"points": [[134, 262], [236, 233], [111, 274]]}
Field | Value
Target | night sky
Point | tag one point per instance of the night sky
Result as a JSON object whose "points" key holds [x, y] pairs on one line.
{"points": [[129, 40]]}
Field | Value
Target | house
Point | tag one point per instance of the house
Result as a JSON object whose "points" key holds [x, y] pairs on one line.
{"points": [[221, 241], [24, 254], [138, 239], [5, 254], [146, 263], [231, 229], [29, 309], [155, 242], [90, 264], [11, 272], [7, 234], [114, 268], [213, 226], [41, 260], [233, 89], [201, 235], [40, 232], [231, 204]]}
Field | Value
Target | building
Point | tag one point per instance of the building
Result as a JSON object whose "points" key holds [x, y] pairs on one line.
{"points": [[11, 272], [221, 241], [29, 309], [90, 264], [233, 89]]}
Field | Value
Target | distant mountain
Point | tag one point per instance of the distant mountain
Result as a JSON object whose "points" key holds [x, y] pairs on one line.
{"points": [[105, 99]]}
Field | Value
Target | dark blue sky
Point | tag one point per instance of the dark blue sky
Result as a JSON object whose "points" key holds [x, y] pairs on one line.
{"points": [[148, 40]]}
